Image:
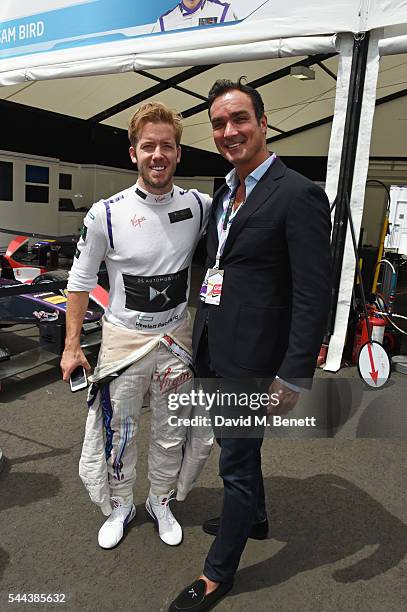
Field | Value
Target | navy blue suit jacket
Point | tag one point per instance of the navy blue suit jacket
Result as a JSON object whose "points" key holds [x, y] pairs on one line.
{"points": [[277, 281]]}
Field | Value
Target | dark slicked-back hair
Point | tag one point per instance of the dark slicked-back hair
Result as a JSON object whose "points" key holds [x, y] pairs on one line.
{"points": [[222, 86]]}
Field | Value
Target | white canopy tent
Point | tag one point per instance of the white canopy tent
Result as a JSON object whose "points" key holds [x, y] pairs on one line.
{"points": [[59, 47], [66, 39], [76, 37]]}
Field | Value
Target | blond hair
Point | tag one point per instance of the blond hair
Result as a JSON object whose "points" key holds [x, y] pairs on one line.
{"points": [[154, 112]]}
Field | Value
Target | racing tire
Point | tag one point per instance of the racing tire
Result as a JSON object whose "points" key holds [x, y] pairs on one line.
{"points": [[50, 277], [62, 275]]}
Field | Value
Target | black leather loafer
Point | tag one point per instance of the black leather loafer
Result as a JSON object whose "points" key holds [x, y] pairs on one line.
{"points": [[193, 597], [259, 531]]}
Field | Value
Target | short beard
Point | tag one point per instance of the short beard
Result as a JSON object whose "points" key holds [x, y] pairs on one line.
{"points": [[157, 185]]}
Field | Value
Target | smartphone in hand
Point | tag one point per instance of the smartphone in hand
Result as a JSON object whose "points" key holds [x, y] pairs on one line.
{"points": [[78, 379]]}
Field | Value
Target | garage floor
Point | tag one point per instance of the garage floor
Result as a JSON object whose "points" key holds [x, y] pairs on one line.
{"points": [[337, 508]]}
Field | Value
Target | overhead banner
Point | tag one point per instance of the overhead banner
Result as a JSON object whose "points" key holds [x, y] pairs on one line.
{"points": [[63, 24], [43, 32]]}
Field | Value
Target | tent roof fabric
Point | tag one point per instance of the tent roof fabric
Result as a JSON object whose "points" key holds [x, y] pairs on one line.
{"points": [[82, 33], [299, 112]]}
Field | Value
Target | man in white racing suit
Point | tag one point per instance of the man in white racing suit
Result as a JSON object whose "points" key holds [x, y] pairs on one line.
{"points": [[194, 13], [146, 235]]}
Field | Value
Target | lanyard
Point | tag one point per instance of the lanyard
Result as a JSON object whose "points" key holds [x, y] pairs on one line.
{"points": [[229, 209], [227, 222]]}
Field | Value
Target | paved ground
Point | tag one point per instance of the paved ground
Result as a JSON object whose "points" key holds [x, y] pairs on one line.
{"points": [[337, 507]]}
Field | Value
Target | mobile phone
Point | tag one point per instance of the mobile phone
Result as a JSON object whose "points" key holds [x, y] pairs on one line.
{"points": [[78, 379]]}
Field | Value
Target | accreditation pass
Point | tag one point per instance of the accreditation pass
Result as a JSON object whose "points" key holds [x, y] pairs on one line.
{"points": [[214, 282]]}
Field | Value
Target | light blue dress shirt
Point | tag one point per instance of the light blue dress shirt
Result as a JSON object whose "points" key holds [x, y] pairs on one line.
{"points": [[232, 181]]}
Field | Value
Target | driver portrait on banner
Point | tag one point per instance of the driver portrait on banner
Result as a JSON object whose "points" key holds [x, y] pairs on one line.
{"points": [[195, 13]]}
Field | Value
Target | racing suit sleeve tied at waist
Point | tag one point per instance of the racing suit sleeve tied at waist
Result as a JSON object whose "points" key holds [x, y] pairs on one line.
{"points": [[92, 464], [177, 452], [178, 351]]}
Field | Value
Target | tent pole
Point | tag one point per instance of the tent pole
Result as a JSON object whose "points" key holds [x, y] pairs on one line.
{"points": [[350, 141]]}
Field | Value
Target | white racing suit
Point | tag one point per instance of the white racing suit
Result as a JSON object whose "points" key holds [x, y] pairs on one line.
{"points": [[177, 453], [147, 243]]}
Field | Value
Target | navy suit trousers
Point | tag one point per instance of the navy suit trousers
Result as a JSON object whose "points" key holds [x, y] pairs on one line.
{"points": [[239, 468]]}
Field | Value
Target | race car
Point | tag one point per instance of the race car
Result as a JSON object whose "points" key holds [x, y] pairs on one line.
{"points": [[35, 295], [20, 304], [30, 261], [19, 263]]}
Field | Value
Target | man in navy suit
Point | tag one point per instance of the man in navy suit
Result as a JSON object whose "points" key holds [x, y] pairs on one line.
{"points": [[261, 320]]}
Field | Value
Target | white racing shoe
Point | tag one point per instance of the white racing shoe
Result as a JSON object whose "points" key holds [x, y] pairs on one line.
{"points": [[169, 530], [112, 530]]}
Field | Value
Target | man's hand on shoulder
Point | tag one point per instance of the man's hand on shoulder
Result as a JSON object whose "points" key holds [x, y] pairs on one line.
{"points": [[71, 359], [287, 398]]}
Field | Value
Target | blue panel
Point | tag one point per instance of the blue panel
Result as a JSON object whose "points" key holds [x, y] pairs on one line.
{"points": [[87, 23], [85, 19]]}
